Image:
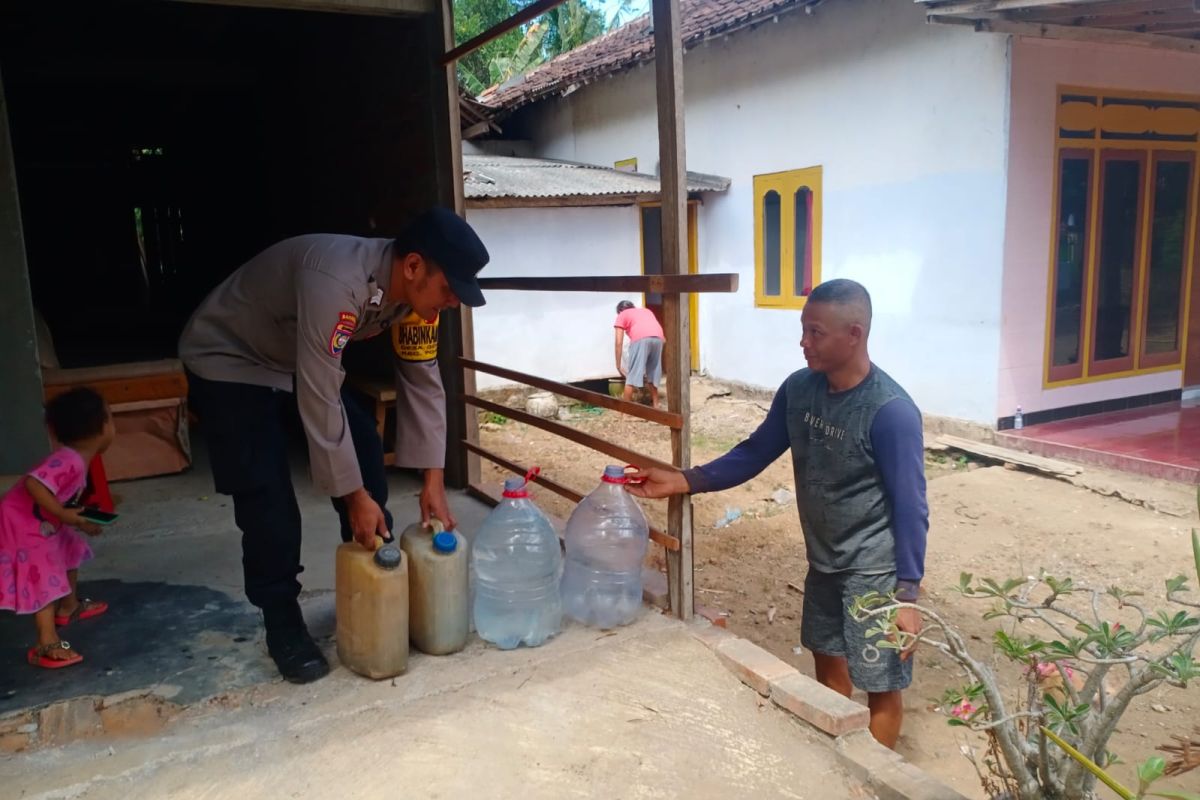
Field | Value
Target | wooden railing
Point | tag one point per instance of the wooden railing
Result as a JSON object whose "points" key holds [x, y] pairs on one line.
{"points": [[677, 537], [462, 468]]}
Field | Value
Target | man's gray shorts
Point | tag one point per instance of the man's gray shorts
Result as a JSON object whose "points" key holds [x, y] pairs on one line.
{"points": [[828, 628], [645, 362]]}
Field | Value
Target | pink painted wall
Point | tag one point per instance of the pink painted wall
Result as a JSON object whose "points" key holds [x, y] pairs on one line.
{"points": [[1038, 68]]}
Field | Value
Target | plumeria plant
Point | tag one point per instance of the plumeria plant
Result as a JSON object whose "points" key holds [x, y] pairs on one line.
{"points": [[1082, 656]]}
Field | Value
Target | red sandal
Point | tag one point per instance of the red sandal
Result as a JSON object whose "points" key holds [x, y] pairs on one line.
{"points": [[85, 610], [40, 656]]}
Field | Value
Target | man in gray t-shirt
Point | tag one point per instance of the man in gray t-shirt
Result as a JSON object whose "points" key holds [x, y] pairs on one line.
{"points": [[858, 459]]}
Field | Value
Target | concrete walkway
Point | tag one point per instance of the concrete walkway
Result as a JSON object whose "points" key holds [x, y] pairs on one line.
{"points": [[643, 712], [171, 569], [177, 698]]}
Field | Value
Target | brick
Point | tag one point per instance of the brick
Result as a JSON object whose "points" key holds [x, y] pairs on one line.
{"points": [[15, 722], [819, 705], [752, 665], [888, 775], [136, 717], [15, 742], [710, 635], [654, 588], [712, 615], [861, 755], [61, 723]]}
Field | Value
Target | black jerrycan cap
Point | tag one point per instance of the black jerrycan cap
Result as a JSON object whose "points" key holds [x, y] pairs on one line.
{"points": [[388, 556]]}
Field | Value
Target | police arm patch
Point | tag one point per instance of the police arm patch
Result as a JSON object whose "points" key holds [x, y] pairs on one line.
{"points": [[346, 325], [415, 339]]}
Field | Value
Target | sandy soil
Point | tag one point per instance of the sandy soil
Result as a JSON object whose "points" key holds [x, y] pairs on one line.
{"points": [[987, 520]]}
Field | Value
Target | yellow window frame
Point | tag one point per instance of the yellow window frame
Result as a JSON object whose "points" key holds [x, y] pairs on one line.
{"points": [[1069, 116], [786, 184]]}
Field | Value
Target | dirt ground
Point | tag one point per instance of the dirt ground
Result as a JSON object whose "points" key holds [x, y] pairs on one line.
{"points": [[987, 520]]}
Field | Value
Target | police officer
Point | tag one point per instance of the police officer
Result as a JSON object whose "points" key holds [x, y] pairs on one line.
{"points": [[280, 324]]}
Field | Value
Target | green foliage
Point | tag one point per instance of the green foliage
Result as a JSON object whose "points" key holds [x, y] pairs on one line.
{"points": [[558, 31], [473, 17]]}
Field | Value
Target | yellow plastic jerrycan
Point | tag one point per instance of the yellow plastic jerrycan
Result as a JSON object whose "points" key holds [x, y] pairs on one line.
{"points": [[372, 609], [439, 600]]}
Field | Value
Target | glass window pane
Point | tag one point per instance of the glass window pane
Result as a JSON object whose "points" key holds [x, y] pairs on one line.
{"points": [[1118, 256], [1168, 234], [1074, 181], [802, 253], [652, 248], [771, 209]]}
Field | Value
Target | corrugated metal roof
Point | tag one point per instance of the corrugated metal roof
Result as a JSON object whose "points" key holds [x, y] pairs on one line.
{"points": [[496, 177]]}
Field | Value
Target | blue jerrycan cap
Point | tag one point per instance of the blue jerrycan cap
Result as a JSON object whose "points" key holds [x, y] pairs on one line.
{"points": [[445, 542]]}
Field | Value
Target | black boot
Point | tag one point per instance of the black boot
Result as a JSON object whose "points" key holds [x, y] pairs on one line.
{"points": [[291, 647]]}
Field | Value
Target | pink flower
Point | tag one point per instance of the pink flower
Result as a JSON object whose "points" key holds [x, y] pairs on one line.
{"points": [[963, 710], [1046, 669]]}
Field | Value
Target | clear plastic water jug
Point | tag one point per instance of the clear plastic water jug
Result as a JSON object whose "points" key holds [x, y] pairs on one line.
{"points": [[606, 544], [517, 562]]}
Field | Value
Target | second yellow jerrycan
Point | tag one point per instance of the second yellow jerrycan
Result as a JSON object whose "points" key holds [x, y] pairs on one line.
{"points": [[372, 609], [439, 600]]}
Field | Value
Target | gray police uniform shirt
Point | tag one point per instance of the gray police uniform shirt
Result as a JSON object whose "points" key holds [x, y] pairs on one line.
{"points": [[287, 314]]}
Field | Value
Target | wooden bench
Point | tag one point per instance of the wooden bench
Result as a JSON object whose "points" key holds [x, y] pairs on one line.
{"points": [[149, 405]]}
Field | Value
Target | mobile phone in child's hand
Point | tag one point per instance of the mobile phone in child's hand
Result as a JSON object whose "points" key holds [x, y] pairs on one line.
{"points": [[98, 517]]}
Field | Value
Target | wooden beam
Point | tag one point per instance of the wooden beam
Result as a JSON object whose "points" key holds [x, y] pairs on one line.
{"points": [[498, 30], [579, 437], [663, 284], [1136, 20], [458, 339], [994, 6], [668, 542], [1075, 34], [1084, 14], [582, 395], [668, 67], [1172, 29], [377, 7]]}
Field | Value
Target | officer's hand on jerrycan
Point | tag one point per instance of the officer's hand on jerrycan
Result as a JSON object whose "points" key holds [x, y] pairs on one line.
{"points": [[366, 520]]}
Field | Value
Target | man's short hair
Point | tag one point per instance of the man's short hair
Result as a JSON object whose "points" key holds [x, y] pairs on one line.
{"points": [[843, 292], [623, 306]]}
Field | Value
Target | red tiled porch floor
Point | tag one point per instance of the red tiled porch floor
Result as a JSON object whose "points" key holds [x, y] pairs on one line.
{"points": [[1161, 441]]}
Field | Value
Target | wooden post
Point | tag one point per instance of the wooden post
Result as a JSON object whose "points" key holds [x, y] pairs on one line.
{"points": [[457, 334], [668, 61]]}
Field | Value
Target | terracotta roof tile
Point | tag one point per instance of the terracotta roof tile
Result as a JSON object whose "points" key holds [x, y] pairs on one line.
{"points": [[632, 44]]}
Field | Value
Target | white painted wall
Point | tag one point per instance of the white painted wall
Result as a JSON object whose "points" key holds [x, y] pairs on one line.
{"points": [[909, 122], [563, 337]]}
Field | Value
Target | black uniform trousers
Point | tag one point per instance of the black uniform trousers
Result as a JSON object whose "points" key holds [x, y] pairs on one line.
{"points": [[245, 429]]}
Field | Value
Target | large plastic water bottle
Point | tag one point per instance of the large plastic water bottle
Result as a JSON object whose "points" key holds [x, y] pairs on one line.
{"points": [[606, 543], [517, 561]]}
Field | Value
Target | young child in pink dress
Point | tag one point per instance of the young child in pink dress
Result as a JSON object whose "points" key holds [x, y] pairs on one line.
{"points": [[40, 543]]}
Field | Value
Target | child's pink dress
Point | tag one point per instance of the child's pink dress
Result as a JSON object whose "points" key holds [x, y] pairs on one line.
{"points": [[36, 550]]}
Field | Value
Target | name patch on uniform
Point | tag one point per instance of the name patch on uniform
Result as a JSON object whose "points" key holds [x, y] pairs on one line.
{"points": [[346, 325], [415, 339]]}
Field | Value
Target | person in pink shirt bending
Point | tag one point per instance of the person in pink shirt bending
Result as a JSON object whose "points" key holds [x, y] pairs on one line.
{"points": [[645, 349]]}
